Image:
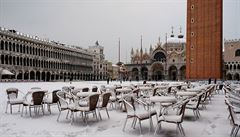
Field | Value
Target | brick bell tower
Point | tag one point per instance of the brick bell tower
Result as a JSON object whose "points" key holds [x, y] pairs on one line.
{"points": [[204, 39]]}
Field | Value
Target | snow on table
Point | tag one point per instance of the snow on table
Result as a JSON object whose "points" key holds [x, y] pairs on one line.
{"points": [[213, 122], [184, 93]]}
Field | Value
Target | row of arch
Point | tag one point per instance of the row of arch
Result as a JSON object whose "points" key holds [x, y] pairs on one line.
{"points": [[30, 50], [235, 76], [232, 67], [157, 72], [50, 76], [25, 61]]}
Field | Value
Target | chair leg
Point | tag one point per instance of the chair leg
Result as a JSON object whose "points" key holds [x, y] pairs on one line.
{"points": [[107, 113], [67, 114], [140, 126], [157, 128], [11, 108], [43, 110], [236, 131], [134, 123], [182, 129], [22, 110], [19, 107], [100, 117], [179, 129], [124, 125], [151, 124], [6, 108], [72, 118], [85, 116], [30, 111], [58, 107], [59, 115], [232, 131], [95, 112]]}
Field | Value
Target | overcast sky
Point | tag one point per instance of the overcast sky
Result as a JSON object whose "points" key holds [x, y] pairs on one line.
{"points": [[82, 22]]}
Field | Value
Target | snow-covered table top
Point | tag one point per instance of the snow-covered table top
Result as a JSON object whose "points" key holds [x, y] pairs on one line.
{"points": [[163, 99], [194, 90], [124, 90], [184, 93], [237, 89], [145, 88], [161, 87], [86, 94]]}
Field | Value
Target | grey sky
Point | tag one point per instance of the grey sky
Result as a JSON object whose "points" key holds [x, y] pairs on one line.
{"points": [[82, 22]]}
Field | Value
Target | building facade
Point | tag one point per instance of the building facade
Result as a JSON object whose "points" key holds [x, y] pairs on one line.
{"points": [[32, 58], [100, 65], [232, 59], [204, 39], [164, 61]]}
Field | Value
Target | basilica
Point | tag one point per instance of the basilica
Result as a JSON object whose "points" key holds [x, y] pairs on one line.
{"points": [[162, 62]]}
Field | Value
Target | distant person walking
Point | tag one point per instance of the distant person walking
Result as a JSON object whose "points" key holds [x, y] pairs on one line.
{"points": [[209, 81], [107, 80]]}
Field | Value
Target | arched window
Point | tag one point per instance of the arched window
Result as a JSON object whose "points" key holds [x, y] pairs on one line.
{"points": [[17, 48], [237, 52], [160, 56], [6, 45], [2, 45]]}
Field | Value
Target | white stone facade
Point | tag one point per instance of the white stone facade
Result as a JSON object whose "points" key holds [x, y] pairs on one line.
{"points": [[32, 58]]}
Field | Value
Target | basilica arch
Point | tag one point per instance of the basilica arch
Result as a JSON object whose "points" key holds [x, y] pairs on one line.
{"points": [[135, 74], [229, 76], [159, 55], [157, 70], [172, 72], [144, 73], [236, 76], [182, 72]]}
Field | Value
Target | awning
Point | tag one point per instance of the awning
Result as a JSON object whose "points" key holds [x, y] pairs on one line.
{"points": [[5, 72]]}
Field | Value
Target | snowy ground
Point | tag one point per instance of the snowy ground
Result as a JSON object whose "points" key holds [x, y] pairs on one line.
{"points": [[212, 123]]}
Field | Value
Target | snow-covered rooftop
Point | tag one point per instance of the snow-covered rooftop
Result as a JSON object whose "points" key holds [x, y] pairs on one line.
{"points": [[176, 40]]}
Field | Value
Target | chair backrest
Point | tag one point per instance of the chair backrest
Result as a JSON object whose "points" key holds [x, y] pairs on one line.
{"points": [[12, 93], [54, 96], [136, 92], [182, 109], [129, 104], [169, 90], [105, 99], [199, 99], [220, 86], [179, 87], [71, 87], [93, 100], [62, 99], [37, 97], [85, 89], [155, 91], [75, 91], [66, 89], [232, 114], [207, 93], [94, 89], [35, 88]]}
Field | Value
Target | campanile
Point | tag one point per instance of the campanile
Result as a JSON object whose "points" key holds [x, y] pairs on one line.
{"points": [[204, 39]]}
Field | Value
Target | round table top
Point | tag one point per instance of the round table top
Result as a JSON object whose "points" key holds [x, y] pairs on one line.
{"points": [[163, 99], [194, 90], [124, 90], [145, 88], [237, 89], [86, 94], [161, 87], [184, 93]]}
